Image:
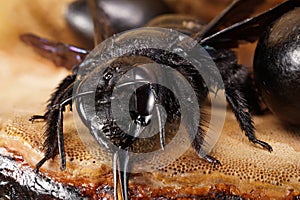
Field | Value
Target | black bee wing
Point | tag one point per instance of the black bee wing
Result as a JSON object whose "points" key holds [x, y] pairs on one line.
{"points": [[248, 30], [59, 53], [237, 11]]}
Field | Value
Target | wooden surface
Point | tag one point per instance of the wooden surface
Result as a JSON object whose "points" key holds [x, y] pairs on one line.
{"points": [[27, 80]]}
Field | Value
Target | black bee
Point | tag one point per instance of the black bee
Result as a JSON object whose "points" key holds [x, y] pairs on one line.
{"points": [[216, 39]]}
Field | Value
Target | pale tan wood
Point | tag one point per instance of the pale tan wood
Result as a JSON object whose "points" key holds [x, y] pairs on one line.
{"points": [[27, 80]]}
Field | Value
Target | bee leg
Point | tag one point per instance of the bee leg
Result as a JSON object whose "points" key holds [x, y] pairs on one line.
{"points": [[197, 144], [54, 142], [33, 118], [54, 99], [51, 142], [54, 133], [59, 144], [240, 75], [252, 96], [240, 108], [235, 81]]}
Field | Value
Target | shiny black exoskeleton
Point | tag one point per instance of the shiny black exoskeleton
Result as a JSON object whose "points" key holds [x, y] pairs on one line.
{"points": [[216, 40], [277, 67], [121, 14]]}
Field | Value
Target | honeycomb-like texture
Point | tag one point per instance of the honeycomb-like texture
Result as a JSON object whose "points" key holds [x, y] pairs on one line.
{"points": [[245, 164], [23, 75], [26, 139], [245, 167]]}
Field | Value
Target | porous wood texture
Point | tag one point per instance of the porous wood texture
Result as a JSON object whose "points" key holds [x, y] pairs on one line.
{"points": [[27, 80]]}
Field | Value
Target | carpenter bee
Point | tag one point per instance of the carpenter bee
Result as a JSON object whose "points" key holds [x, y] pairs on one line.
{"points": [[216, 39]]}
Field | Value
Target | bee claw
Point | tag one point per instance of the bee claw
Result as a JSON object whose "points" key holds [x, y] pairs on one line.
{"points": [[264, 145], [33, 118], [215, 162]]}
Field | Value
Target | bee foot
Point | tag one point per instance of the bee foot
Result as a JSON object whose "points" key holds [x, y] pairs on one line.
{"points": [[263, 144], [33, 118], [213, 161]]}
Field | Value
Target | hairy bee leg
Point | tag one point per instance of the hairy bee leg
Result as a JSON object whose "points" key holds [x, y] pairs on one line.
{"points": [[50, 144], [60, 135], [197, 144], [54, 142], [60, 140], [235, 80], [240, 76], [60, 91], [33, 118], [241, 110], [53, 118], [252, 96], [54, 99]]}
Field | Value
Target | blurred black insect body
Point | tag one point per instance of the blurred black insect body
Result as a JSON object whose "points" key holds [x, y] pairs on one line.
{"points": [[119, 13], [277, 67], [218, 41]]}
